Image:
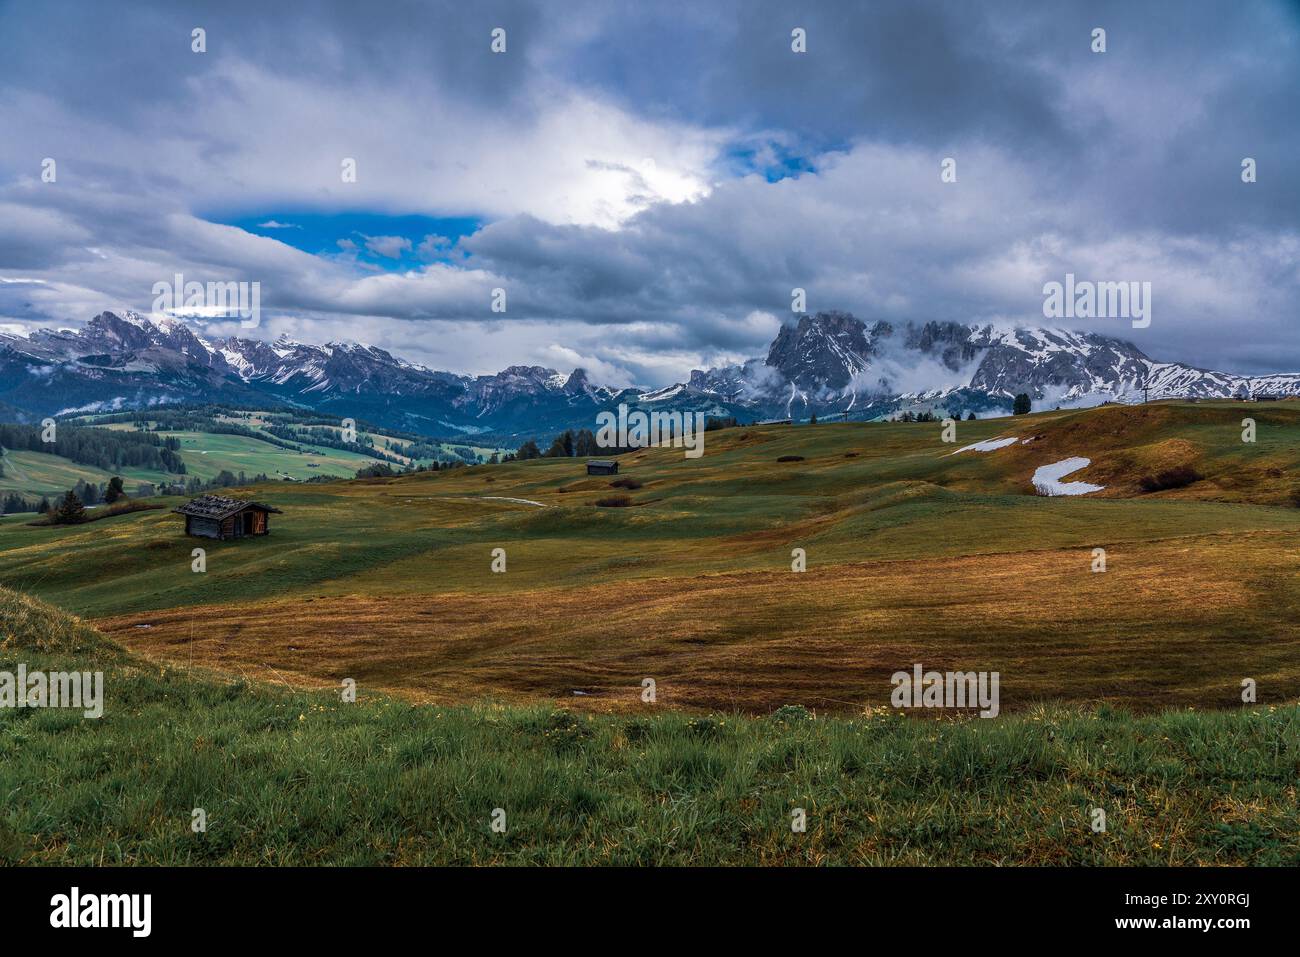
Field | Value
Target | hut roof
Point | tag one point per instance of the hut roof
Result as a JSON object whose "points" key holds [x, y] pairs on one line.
{"points": [[602, 463], [218, 506]]}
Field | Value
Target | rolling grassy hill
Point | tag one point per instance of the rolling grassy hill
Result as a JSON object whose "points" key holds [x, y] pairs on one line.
{"points": [[914, 554], [33, 474], [206, 454], [264, 422], [293, 777]]}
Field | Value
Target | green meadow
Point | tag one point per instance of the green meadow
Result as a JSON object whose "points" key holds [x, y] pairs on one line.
{"points": [[34, 474], [207, 454]]}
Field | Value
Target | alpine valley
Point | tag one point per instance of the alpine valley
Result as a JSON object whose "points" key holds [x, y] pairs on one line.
{"points": [[830, 364]]}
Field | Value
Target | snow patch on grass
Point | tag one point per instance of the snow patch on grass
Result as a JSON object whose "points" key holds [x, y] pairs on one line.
{"points": [[1047, 479], [988, 445]]}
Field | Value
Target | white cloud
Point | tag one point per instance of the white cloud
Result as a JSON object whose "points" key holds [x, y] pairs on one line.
{"points": [[389, 246]]}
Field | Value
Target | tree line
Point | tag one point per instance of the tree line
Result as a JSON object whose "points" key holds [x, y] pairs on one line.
{"points": [[384, 470], [64, 509], [102, 448], [582, 443], [565, 445]]}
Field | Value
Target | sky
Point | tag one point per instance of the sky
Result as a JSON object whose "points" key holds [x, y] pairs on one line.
{"points": [[649, 181]]}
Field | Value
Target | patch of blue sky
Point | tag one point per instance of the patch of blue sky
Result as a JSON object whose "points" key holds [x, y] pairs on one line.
{"points": [[393, 243], [772, 161]]}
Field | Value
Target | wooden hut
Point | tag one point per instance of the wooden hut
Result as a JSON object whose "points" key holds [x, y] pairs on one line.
{"points": [[602, 467], [215, 516]]}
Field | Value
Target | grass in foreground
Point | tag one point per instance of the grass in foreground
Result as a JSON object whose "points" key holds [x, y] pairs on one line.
{"points": [[290, 777]]}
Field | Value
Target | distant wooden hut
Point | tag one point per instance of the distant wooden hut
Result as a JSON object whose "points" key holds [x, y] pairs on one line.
{"points": [[602, 467], [215, 516]]}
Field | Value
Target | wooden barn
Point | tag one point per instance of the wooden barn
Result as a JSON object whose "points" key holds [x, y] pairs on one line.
{"points": [[602, 467], [215, 516]]}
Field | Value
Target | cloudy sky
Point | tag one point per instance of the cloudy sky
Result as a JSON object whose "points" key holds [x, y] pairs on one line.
{"points": [[648, 181]]}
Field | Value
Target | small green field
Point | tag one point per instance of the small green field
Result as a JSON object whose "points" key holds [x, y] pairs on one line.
{"points": [[389, 444], [207, 454], [382, 441], [34, 474]]}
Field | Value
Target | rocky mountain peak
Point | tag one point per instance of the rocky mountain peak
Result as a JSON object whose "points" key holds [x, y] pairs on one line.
{"points": [[825, 350]]}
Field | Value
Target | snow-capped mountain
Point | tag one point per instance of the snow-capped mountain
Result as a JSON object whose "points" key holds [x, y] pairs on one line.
{"points": [[832, 363], [114, 362], [829, 364], [129, 361]]}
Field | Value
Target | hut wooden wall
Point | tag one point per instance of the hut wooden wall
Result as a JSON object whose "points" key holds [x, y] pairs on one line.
{"points": [[203, 527]]}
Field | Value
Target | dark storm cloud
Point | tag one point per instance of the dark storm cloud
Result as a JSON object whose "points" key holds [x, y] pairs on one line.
{"points": [[135, 60], [902, 71]]}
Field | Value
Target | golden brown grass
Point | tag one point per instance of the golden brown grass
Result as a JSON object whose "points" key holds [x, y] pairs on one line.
{"points": [[1171, 623]]}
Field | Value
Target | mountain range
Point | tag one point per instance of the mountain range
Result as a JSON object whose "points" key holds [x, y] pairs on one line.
{"points": [[830, 364]]}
